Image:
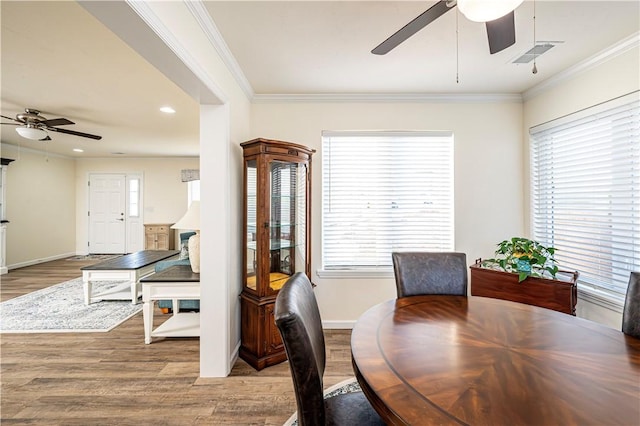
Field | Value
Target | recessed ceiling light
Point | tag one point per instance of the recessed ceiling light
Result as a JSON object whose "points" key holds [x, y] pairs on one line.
{"points": [[168, 110], [78, 150]]}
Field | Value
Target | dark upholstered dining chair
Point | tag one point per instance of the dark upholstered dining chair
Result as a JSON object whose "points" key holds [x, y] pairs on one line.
{"points": [[419, 273], [631, 312], [298, 319]]}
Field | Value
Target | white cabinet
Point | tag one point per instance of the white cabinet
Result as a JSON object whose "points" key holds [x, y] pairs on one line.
{"points": [[3, 188], [4, 163], [3, 249]]}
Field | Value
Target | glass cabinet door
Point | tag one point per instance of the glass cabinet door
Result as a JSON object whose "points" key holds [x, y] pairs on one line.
{"points": [[252, 217], [287, 221]]}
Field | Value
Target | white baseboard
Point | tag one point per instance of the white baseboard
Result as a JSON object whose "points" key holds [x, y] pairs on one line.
{"points": [[234, 357], [37, 261], [338, 325]]}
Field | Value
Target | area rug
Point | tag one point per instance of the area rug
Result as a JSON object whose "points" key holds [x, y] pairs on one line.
{"points": [[346, 386], [61, 309]]}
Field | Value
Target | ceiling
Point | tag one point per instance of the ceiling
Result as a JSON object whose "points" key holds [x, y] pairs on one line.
{"points": [[324, 47], [58, 58]]}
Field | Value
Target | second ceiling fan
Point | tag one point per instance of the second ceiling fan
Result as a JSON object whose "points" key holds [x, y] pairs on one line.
{"points": [[498, 16]]}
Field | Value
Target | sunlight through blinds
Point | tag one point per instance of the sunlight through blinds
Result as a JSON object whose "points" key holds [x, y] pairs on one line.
{"points": [[586, 191], [385, 192]]}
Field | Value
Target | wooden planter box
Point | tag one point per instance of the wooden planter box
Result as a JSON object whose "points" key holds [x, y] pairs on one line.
{"points": [[558, 295]]}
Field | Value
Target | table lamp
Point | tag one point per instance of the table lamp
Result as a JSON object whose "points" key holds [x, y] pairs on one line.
{"points": [[191, 221]]}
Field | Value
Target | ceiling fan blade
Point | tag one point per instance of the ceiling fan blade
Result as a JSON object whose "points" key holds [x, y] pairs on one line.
{"points": [[501, 33], [10, 118], [57, 122], [45, 139], [424, 19], [73, 132]]}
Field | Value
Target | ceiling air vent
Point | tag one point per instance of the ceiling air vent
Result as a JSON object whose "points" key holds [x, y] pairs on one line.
{"points": [[534, 52]]}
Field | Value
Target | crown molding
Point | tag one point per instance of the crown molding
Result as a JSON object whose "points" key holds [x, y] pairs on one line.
{"points": [[143, 10], [624, 45], [200, 13], [390, 97]]}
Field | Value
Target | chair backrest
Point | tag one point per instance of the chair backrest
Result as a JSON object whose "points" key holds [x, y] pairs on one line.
{"points": [[631, 312], [298, 318], [419, 273]]}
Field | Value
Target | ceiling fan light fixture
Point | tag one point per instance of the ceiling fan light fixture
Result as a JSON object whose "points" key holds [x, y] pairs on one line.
{"points": [[486, 10], [31, 132]]}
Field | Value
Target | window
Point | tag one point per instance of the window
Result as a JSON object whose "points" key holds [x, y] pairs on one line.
{"points": [[134, 197], [585, 190], [385, 192], [193, 191]]}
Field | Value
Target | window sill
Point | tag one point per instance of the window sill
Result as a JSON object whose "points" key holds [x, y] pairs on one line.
{"points": [[354, 273], [600, 298]]}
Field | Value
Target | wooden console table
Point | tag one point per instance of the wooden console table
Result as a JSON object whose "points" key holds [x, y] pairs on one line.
{"points": [[128, 269], [176, 283]]}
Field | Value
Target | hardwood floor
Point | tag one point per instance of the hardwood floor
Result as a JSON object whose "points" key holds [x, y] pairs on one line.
{"points": [[115, 379]]}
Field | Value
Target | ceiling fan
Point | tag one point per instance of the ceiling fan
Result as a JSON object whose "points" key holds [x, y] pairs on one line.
{"points": [[498, 16], [34, 126]]}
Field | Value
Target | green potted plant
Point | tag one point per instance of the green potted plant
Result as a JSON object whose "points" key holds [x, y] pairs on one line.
{"points": [[525, 257]]}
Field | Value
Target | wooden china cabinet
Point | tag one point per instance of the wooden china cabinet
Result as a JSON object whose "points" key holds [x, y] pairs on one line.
{"points": [[276, 239]]}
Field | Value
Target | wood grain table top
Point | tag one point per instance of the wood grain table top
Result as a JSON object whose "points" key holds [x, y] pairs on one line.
{"points": [[135, 260], [480, 361]]}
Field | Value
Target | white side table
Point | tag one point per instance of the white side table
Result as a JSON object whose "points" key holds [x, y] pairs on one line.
{"points": [[175, 283]]}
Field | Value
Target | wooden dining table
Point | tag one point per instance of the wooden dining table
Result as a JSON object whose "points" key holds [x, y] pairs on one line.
{"points": [[432, 360]]}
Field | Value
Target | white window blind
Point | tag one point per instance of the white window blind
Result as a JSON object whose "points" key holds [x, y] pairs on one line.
{"points": [[586, 191], [385, 192]]}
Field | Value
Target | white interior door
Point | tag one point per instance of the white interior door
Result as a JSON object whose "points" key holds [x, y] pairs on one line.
{"points": [[107, 205]]}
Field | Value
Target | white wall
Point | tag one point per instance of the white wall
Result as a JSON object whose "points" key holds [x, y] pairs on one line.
{"points": [[488, 177], [40, 206], [221, 199], [164, 194], [616, 77]]}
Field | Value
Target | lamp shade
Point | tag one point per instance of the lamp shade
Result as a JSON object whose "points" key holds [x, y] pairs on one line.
{"points": [[191, 219], [31, 132], [486, 10]]}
